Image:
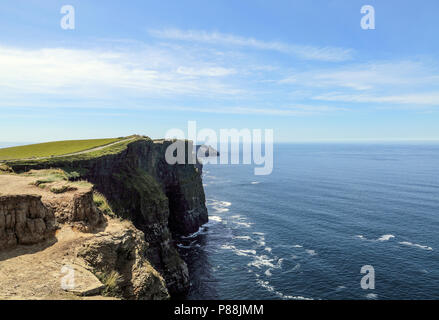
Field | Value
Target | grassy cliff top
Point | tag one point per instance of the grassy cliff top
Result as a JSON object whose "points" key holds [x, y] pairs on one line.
{"points": [[62, 151], [53, 149]]}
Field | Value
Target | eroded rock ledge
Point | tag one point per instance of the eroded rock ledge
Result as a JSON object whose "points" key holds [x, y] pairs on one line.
{"points": [[24, 219]]}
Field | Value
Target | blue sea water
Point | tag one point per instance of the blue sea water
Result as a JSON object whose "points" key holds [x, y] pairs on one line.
{"points": [[305, 231]]}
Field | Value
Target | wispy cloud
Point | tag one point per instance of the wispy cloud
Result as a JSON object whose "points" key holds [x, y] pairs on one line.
{"points": [[294, 110], [369, 75], [97, 73], [210, 72], [391, 82], [331, 54], [429, 98]]}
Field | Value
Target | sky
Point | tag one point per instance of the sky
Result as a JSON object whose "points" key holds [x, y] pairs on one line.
{"points": [[304, 68]]}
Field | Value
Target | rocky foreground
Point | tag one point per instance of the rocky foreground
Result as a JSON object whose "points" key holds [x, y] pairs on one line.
{"points": [[61, 246]]}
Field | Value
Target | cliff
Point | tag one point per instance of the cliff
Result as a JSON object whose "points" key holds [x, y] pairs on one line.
{"points": [[162, 200]]}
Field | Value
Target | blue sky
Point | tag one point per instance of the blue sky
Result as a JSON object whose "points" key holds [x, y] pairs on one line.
{"points": [[304, 68]]}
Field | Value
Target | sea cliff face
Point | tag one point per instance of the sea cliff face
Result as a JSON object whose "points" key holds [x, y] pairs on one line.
{"points": [[161, 200], [164, 201]]}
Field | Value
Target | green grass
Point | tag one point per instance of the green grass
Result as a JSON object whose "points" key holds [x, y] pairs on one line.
{"points": [[51, 149], [102, 203], [68, 162], [111, 281], [57, 180]]}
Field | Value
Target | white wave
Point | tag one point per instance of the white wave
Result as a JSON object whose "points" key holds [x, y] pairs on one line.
{"points": [[220, 209], [243, 224], [266, 285], [255, 182], [386, 237], [261, 239], [407, 243], [212, 221], [279, 262], [297, 246], [265, 261], [268, 272], [192, 244], [218, 206], [311, 252], [340, 288], [218, 202], [247, 238], [268, 249], [203, 229], [215, 218], [195, 234], [262, 261], [241, 221], [371, 296], [183, 246], [239, 252]]}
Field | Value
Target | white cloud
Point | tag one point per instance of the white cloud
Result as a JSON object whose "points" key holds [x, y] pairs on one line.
{"points": [[97, 73], [404, 82], [429, 98], [297, 110], [367, 76], [203, 72], [332, 54]]}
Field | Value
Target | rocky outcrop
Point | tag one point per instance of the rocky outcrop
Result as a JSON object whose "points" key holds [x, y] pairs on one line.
{"points": [[24, 219], [122, 254], [81, 210]]}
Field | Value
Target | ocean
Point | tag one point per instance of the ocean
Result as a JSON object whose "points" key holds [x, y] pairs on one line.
{"points": [[306, 230]]}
